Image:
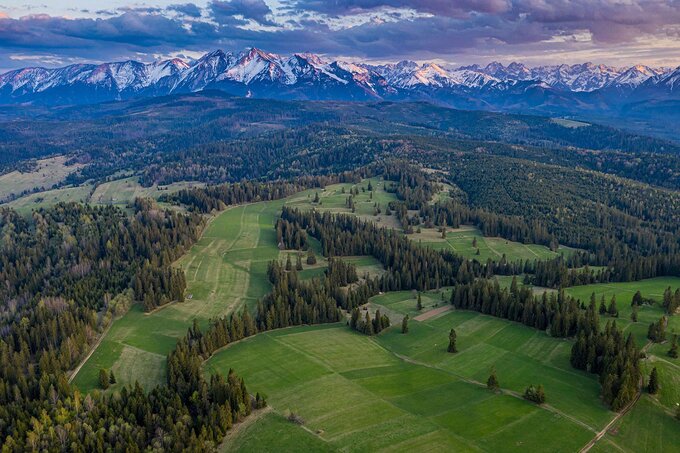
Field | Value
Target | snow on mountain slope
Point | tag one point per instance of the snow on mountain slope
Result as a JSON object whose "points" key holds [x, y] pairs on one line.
{"points": [[305, 75]]}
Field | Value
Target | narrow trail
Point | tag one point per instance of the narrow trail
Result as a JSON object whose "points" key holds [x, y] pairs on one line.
{"points": [[618, 416], [512, 393], [94, 347]]}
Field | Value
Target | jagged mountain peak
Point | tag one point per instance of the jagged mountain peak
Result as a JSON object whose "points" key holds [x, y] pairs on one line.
{"points": [[255, 70]]}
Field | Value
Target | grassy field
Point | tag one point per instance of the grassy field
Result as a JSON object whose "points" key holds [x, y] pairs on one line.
{"points": [[650, 425], [652, 288], [123, 191], [47, 173], [461, 241], [400, 392], [225, 270], [28, 203], [332, 199]]}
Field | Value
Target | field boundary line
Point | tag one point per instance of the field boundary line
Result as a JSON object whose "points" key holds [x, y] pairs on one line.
{"points": [[508, 392], [618, 416], [433, 313], [94, 347]]}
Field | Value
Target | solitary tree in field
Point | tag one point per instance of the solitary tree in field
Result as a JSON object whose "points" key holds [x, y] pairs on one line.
{"points": [[612, 310], [419, 306], [492, 382], [311, 258], [452, 341], [673, 351], [535, 394], [103, 379], [637, 299], [404, 324], [653, 385], [316, 197]]}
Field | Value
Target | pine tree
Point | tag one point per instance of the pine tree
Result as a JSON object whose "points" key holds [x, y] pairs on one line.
{"points": [[492, 382], [452, 341], [653, 385], [103, 379], [612, 310], [298, 262], [289, 264], [112, 378], [316, 197], [311, 258], [368, 325], [404, 324], [634, 313], [637, 299], [419, 305], [603, 307], [673, 351]]}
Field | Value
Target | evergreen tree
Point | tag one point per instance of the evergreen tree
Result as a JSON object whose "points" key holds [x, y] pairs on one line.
{"points": [[535, 394], [634, 313], [112, 378], [653, 385], [452, 341], [673, 351], [492, 382], [419, 305], [404, 324], [103, 379], [603, 307], [637, 299], [316, 197], [612, 310], [311, 258], [289, 264], [298, 262]]}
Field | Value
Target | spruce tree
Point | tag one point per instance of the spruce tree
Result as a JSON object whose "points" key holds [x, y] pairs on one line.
{"points": [[634, 314], [103, 379], [492, 382], [404, 324], [419, 305], [289, 264], [298, 263], [112, 378], [311, 258], [653, 385], [452, 341], [673, 351], [603, 307], [612, 310]]}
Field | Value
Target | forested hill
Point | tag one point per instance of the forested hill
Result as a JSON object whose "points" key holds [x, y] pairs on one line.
{"points": [[182, 121]]}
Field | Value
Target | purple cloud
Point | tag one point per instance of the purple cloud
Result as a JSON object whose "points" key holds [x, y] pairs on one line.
{"points": [[226, 12], [450, 30], [188, 9]]}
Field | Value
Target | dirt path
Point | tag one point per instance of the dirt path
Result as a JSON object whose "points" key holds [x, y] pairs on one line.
{"points": [[512, 393], [245, 424], [432, 313], [94, 347], [618, 416]]}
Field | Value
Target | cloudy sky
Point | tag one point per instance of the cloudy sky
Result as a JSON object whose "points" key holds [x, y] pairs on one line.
{"points": [[618, 32]]}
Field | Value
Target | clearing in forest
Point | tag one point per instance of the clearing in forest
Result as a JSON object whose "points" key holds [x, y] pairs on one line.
{"points": [[225, 271], [398, 391]]}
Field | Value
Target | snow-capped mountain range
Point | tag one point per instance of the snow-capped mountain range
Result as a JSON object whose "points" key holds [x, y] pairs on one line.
{"points": [[254, 72]]}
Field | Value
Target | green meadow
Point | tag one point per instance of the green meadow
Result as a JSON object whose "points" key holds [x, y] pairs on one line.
{"points": [[399, 392], [393, 392], [225, 271], [469, 242]]}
